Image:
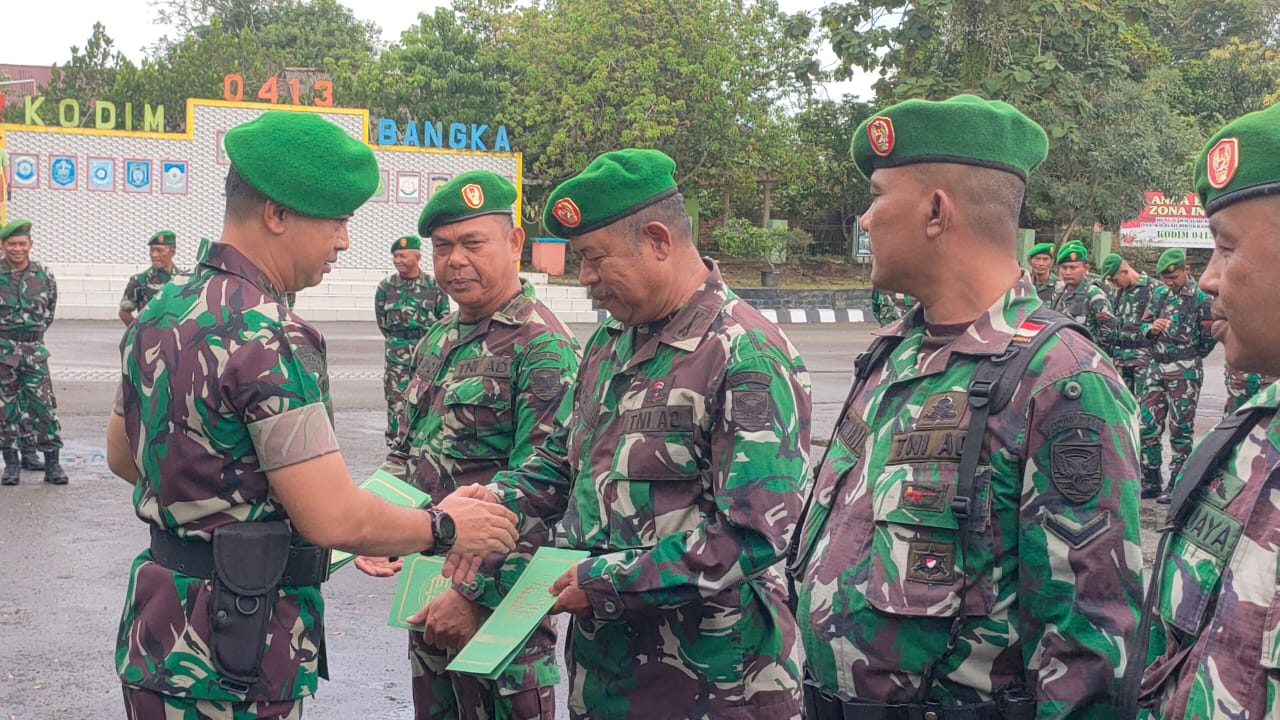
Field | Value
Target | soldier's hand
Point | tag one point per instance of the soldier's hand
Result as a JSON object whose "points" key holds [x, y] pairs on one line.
{"points": [[1160, 325], [378, 566], [569, 597], [451, 620], [476, 492], [482, 526]]}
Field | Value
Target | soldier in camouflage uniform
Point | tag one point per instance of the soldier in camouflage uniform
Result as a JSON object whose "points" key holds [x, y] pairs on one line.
{"points": [[144, 286], [223, 423], [1040, 258], [1130, 348], [485, 393], [1177, 323], [1016, 599], [406, 304], [1215, 598], [889, 307], [681, 470], [1241, 386], [1079, 299], [28, 298]]}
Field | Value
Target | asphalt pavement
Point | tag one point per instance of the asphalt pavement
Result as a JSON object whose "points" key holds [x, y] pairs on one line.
{"points": [[65, 551]]}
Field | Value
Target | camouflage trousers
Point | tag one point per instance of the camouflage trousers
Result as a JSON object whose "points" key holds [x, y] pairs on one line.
{"points": [[1135, 378], [147, 705], [395, 378], [27, 403], [442, 695], [1171, 399]]}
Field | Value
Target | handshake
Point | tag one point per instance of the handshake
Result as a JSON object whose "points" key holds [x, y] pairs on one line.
{"points": [[478, 525]]}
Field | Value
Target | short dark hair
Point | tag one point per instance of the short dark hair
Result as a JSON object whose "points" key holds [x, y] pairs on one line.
{"points": [[242, 198]]}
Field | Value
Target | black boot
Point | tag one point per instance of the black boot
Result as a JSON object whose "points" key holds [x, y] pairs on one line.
{"points": [[30, 459], [12, 468], [53, 473], [1152, 483]]}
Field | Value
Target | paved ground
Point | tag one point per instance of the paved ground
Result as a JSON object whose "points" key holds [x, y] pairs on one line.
{"points": [[64, 552]]}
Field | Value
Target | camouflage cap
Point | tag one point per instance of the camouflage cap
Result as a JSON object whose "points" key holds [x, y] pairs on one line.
{"points": [[1170, 259], [1045, 248], [965, 129], [164, 237], [611, 187], [1241, 161], [1072, 251], [303, 162], [1110, 265], [469, 195], [15, 227], [408, 242]]}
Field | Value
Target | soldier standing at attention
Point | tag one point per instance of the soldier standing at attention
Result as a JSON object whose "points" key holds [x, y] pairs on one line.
{"points": [[889, 307], [1040, 258], [144, 286], [1178, 324], [1081, 300], [28, 298], [681, 469], [485, 394], [971, 550], [223, 423], [406, 303], [1215, 598]]}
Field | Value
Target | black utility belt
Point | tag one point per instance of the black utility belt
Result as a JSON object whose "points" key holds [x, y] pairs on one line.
{"points": [[22, 335], [406, 334], [1132, 344], [1176, 355], [820, 705], [306, 565]]}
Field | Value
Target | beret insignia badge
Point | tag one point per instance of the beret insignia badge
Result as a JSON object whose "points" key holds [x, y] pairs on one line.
{"points": [[567, 212], [880, 134], [1223, 160], [473, 195]]}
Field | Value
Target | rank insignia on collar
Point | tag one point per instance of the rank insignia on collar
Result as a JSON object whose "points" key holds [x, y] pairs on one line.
{"points": [[1223, 160], [567, 212], [880, 135], [473, 195]]}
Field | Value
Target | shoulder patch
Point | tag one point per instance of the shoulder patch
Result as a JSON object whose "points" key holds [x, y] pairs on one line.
{"points": [[544, 383], [1076, 470], [752, 409], [536, 357], [312, 360], [1077, 534], [1071, 421], [749, 378]]}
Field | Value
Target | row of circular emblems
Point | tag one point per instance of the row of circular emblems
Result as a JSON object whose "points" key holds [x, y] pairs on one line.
{"points": [[101, 173]]}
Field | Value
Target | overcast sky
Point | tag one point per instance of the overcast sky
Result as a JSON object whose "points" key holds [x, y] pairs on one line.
{"points": [[35, 36]]}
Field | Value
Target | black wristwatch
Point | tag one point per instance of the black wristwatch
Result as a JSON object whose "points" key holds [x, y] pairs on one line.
{"points": [[443, 530]]}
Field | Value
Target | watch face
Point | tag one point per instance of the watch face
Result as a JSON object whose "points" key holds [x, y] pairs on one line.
{"points": [[448, 531]]}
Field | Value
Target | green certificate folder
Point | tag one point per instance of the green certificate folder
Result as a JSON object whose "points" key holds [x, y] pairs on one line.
{"points": [[516, 617], [420, 582], [389, 488]]}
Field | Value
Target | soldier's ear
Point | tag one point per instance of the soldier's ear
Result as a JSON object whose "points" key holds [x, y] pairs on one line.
{"points": [[516, 238], [659, 238]]}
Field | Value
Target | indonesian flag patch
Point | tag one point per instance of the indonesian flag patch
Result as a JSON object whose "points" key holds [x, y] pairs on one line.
{"points": [[1027, 331]]}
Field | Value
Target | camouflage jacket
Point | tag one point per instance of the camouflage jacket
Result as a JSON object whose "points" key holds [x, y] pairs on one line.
{"points": [[482, 397], [28, 299], [1045, 289], [682, 471], [1243, 385], [144, 286], [1218, 598], [221, 383], [405, 308], [1053, 583], [1130, 346], [887, 307], [1088, 305], [1188, 339]]}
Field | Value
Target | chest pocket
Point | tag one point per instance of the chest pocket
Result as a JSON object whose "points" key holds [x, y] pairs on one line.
{"points": [[476, 418], [916, 548], [656, 484]]}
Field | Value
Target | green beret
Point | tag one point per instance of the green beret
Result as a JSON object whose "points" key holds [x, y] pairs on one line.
{"points": [[1241, 161], [16, 227], [468, 195], [1171, 258], [1111, 265], [164, 237], [303, 162], [964, 129], [1072, 251], [1040, 249], [408, 242], [613, 186]]}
